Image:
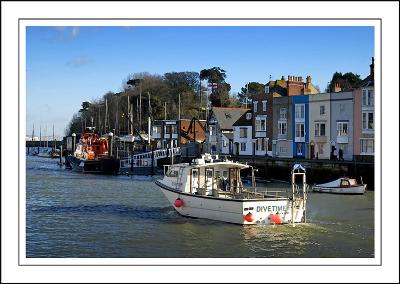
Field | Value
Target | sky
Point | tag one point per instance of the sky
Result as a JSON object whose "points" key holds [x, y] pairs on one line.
{"points": [[68, 65]]}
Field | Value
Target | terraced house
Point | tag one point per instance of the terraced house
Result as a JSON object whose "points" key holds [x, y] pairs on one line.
{"points": [[364, 117], [219, 134]]}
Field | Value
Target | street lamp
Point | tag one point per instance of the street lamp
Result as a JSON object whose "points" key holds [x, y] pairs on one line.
{"points": [[73, 142]]}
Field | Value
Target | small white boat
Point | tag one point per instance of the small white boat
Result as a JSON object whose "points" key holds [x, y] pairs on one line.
{"points": [[212, 189], [342, 185]]}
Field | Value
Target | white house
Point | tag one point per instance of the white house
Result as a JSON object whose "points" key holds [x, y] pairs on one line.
{"points": [[242, 135]]}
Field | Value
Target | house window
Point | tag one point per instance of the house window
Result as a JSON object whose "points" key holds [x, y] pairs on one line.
{"points": [[367, 97], [267, 89], [300, 111], [224, 143], [243, 132], [248, 115], [341, 108], [260, 146], [368, 120], [255, 103], [282, 149], [168, 129], [156, 129], [211, 129], [367, 146], [260, 124], [342, 128], [299, 130], [283, 113], [264, 105], [320, 149], [243, 146], [282, 125], [174, 129], [319, 129], [321, 110]]}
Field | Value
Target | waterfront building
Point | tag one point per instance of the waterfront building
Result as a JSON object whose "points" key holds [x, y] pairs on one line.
{"points": [[219, 131], [165, 132], [364, 112], [282, 143], [300, 126], [319, 126], [180, 132], [264, 111], [242, 135], [342, 123]]}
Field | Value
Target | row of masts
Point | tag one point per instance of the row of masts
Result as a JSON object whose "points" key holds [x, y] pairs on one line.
{"points": [[40, 135]]}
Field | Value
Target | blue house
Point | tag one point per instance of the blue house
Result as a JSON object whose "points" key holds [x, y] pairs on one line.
{"points": [[300, 110]]}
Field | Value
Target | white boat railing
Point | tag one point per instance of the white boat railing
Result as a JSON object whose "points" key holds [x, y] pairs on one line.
{"points": [[145, 159]]}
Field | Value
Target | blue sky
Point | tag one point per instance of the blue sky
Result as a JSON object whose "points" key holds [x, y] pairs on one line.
{"points": [[68, 65]]}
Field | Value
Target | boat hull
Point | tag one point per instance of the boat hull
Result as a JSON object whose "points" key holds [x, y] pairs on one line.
{"points": [[341, 190], [262, 211], [102, 166]]}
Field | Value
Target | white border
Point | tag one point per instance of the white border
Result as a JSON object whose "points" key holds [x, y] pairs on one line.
{"points": [[184, 261], [388, 11]]}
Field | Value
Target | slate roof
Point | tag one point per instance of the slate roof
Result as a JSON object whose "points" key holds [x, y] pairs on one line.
{"points": [[226, 116], [368, 82], [243, 121]]}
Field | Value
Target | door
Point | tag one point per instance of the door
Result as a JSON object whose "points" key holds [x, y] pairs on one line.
{"points": [[312, 151], [209, 180], [195, 180]]}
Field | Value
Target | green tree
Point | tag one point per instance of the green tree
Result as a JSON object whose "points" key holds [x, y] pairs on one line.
{"points": [[220, 90], [250, 89], [347, 81]]}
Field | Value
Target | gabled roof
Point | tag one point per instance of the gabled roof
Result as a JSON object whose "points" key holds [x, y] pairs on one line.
{"points": [[243, 121], [226, 117]]}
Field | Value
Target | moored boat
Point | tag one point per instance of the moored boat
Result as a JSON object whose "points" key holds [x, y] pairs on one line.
{"points": [[342, 185], [91, 156], [212, 189]]}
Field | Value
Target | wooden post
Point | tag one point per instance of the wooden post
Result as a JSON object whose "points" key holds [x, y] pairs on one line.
{"points": [[61, 162]]}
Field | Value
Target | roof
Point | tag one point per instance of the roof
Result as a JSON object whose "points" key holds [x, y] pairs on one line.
{"points": [[228, 135], [278, 87], [368, 81], [226, 117], [243, 121]]}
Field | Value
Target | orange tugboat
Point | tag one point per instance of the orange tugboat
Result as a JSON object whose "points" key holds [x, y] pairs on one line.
{"points": [[92, 155]]}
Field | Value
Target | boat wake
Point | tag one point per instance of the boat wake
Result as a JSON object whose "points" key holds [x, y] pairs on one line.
{"points": [[162, 214]]}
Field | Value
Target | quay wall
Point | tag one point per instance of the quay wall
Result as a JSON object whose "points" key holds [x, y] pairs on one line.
{"points": [[318, 171]]}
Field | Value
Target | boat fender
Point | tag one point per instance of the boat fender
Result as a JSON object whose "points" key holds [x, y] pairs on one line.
{"points": [[248, 217], [276, 218], [178, 202]]}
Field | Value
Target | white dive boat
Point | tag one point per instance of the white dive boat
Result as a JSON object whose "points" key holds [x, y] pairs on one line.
{"points": [[342, 185], [212, 189]]}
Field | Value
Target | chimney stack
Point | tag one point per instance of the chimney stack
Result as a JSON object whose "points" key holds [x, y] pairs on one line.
{"points": [[337, 88], [371, 67], [308, 79]]}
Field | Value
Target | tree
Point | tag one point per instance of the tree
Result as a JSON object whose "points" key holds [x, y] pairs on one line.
{"points": [[347, 81], [250, 89], [220, 93]]}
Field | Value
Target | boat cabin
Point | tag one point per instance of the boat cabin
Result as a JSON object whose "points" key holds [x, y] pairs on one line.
{"points": [[207, 176]]}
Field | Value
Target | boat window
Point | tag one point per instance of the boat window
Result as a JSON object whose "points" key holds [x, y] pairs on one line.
{"points": [[172, 173], [345, 182]]}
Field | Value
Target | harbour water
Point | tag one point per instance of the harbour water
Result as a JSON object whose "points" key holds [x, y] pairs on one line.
{"points": [[90, 216]]}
